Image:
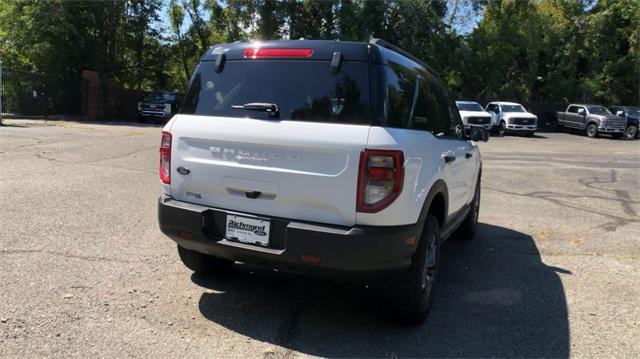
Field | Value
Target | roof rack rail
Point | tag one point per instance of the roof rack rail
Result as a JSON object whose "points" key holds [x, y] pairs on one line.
{"points": [[392, 47]]}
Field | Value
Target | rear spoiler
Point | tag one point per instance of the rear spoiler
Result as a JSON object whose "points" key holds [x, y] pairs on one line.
{"points": [[320, 50]]}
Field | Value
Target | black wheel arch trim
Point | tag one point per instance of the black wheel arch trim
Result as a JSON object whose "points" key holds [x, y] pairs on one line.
{"points": [[438, 188]]}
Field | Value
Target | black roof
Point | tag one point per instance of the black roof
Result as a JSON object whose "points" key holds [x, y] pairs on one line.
{"points": [[376, 51]]}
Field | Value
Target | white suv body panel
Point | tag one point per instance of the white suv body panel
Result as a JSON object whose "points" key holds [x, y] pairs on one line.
{"points": [[424, 165], [304, 170], [309, 171]]}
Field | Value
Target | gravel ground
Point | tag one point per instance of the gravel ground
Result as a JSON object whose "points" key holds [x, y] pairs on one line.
{"points": [[554, 271]]}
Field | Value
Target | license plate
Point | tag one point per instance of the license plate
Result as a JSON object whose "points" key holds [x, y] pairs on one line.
{"points": [[250, 230]]}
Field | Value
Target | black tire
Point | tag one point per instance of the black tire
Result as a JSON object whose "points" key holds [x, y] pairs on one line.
{"points": [[592, 130], [203, 264], [469, 226], [631, 132], [411, 298], [502, 129]]}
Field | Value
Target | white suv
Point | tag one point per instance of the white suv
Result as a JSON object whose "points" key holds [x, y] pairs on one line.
{"points": [[473, 114], [511, 117], [338, 159]]}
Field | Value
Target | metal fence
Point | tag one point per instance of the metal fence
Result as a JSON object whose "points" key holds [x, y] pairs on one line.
{"points": [[29, 94]]}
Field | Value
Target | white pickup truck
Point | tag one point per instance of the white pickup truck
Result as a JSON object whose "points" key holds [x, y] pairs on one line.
{"points": [[511, 117], [337, 159], [473, 114]]}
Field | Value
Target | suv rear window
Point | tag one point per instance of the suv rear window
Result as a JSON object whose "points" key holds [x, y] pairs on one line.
{"points": [[303, 90]]}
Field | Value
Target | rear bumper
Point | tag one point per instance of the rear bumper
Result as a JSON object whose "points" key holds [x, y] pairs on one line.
{"points": [[363, 254]]}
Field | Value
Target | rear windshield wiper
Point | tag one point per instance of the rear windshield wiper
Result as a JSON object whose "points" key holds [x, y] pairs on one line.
{"points": [[270, 108]]}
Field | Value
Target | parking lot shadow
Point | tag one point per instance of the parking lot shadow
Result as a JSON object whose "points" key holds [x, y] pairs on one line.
{"points": [[495, 299]]}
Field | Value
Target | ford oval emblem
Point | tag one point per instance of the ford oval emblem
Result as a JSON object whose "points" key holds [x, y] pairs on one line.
{"points": [[183, 170]]}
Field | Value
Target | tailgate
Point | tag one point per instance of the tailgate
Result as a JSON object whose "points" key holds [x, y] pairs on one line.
{"points": [[298, 170]]}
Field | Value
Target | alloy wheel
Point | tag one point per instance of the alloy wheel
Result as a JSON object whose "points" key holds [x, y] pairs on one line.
{"points": [[430, 269], [502, 129], [631, 132]]}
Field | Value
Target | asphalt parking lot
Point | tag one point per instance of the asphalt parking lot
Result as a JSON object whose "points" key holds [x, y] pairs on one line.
{"points": [[85, 271]]}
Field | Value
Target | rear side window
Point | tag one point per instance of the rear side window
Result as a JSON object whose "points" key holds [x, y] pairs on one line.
{"points": [[400, 88], [302, 90], [413, 101], [436, 106]]}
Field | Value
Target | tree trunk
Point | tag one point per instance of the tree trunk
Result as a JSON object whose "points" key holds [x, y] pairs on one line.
{"points": [[185, 64]]}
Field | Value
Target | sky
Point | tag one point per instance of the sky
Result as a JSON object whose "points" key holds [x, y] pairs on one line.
{"points": [[468, 27]]}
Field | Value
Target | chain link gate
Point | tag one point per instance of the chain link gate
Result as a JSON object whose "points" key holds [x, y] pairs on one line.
{"points": [[35, 95]]}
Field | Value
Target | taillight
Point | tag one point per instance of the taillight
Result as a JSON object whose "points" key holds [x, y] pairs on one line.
{"points": [[380, 179], [266, 52], [165, 158]]}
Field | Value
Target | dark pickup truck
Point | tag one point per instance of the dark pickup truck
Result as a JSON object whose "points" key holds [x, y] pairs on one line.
{"points": [[593, 120], [158, 106], [632, 114]]}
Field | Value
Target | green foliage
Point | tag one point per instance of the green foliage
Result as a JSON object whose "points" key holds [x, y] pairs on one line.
{"points": [[554, 51], [530, 51]]}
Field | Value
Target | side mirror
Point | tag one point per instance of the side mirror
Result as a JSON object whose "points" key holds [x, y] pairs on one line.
{"points": [[581, 111], [620, 113], [478, 133]]}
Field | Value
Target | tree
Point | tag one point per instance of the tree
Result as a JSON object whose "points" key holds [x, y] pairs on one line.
{"points": [[612, 44], [176, 17], [504, 52], [542, 51], [199, 28], [270, 20], [141, 14]]}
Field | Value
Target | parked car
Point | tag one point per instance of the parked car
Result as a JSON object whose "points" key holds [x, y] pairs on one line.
{"points": [[632, 114], [592, 119], [511, 117], [158, 106], [473, 114], [290, 154]]}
